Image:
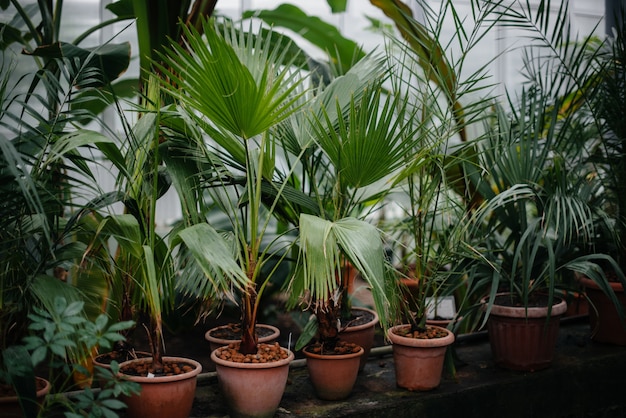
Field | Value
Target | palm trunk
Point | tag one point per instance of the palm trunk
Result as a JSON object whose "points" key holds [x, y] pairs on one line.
{"points": [[249, 338], [156, 342], [327, 321]]}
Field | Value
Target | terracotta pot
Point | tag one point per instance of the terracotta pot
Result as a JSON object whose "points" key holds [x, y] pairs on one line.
{"points": [[418, 362], [362, 335], [252, 389], [524, 338], [606, 326], [577, 304], [163, 396], [10, 405], [333, 376], [215, 342]]}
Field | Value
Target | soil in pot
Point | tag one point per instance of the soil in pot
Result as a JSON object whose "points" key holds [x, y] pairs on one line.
{"points": [[266, 353], [333, 371], [170, 368], [105, 359], [419, 355], [252, 384]]}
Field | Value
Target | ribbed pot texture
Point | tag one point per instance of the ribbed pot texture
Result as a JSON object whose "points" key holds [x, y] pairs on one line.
{"points": [[524, 339]]}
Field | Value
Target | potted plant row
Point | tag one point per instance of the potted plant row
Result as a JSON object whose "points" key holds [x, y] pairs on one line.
{"points": [[299, 170]]}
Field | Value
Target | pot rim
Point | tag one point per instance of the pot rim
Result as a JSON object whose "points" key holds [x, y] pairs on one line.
{"points": [[40, 393], [354, 328], [587, 282], [414, 342], [161, 379], [144, 354], [223, 341], [559, 306], [332, 357]]}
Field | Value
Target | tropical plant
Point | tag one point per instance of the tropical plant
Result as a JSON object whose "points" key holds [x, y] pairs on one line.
{"points": [[45, 175], [606, 103], [432, 194], [535, 221], [357, 142], [544, 201], [231, 161], [57, 338], [36, 28]]}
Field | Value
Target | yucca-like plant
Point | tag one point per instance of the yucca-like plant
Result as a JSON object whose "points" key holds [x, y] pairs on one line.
{"points": [[536, 219], [543, 206]]}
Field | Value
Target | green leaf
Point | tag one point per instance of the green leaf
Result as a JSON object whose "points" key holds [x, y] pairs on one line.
{"points": [[325, 36], [258, 91], [121, 8], [95, 101], [337, 6], [101, 322], [120, 326], [126, 230], [113, 403], [308, 333], [216, 257], [321, 242], [39, 355], [74, 308], [9, 35], [111, 60]]}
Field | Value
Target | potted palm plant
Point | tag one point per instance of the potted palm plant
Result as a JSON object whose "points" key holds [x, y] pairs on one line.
{"points": [[578, 83], [527, 242], [359, 142], [141, 263], [433, 197], [232, 88], [336, 234]]}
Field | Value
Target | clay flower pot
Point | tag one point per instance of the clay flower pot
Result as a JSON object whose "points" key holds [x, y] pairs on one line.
{"points": [[333, 375], [252, 389], [524, 338], [362, 334], [10, 405], [162, 396], [606, 326], [419, 362], [266, 334]]}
